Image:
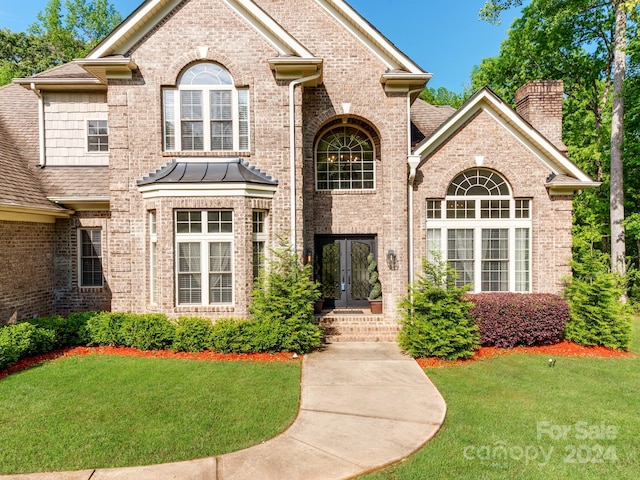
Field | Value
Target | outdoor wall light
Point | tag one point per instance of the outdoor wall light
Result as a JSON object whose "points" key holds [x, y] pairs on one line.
{"points": [[392, 260], [308, 256]]}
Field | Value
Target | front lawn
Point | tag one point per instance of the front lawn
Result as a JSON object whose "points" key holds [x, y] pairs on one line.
{"points": [[515, 417], [99, 411]]}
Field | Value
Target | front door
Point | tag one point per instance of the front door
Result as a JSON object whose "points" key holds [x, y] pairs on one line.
{"points": [[341, 268]]}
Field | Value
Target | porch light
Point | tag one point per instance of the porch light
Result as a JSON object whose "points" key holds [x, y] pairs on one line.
{"points": [[392, 260]]}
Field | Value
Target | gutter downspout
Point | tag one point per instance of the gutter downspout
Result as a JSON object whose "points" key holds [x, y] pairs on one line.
{"points": [[43, 158], [413, 162], [292, 153]]}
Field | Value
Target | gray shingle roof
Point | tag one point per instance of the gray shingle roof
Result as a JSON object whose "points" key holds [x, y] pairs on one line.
{"points": [[19, 185], [78, 182], [426, 118], [211, 170]]}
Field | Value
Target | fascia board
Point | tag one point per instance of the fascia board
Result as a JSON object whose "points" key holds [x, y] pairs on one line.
{"points": [[133, 28], [266, 26], [10, 212], [528, 136], [380, 46], [150, 13], [207, 190]]}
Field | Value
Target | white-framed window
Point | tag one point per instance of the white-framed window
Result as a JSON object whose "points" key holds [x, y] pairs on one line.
{"points": [[97, 136], [204, 257], [90, 257], [206, 112], [345, 160], [482, 232], [153, 257], [259, 240]]}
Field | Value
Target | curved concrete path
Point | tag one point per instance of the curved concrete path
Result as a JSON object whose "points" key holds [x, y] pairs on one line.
{"points": [[363, 406]]}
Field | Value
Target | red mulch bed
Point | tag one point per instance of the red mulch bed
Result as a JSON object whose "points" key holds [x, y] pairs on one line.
{"points": [[132, 352], [562, 349]]}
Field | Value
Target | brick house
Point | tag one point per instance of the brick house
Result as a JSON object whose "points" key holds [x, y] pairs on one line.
{"points": [[151, 175]]}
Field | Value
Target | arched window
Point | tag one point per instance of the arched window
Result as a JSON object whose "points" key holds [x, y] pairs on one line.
{"points": [[345, 160], [206, 112], [483, 232]]}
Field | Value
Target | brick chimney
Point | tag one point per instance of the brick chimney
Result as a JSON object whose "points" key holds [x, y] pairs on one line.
{"points": [[540, 103]]}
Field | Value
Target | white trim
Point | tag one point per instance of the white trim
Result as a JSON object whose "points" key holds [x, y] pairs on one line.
{"points": [[529, 137], [204, 239], [372, 39], [166, 190]]}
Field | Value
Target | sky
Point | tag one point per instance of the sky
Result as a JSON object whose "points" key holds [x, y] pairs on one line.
{"points": [[444, 37]]}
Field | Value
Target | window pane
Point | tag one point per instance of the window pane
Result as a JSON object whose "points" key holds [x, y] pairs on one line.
{"points": [[461, 209], [258, 258], [221, 135], [221, 106], [188, 221], [97, 136], [220, 283], [495, 260], [169, 113], [434, 209], [478, 182], [90, 258], [460, 254], [220, 221], [434, 245], [243, 119], [189, 284], [522, 260], [344, 160], [522, 209], [494, 209]]}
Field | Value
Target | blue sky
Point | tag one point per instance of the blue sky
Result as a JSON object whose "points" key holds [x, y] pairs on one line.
{"points": [[444, 37]]}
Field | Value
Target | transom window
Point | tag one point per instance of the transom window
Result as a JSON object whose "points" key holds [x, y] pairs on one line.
{"points": [[345, 160], [204, 257], [482, 232], [206, 112]]}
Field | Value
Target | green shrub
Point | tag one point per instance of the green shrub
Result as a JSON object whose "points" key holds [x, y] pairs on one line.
{"points": [[104, 329], [69, 332], [282, 308], [597, 316], [232, 335], [150, 331], [436, 320], [23, 340], [192, 334]]}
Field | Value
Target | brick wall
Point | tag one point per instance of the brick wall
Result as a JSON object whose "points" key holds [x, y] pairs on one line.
{"points": [[351, 75], [551, 216], [26, 270], [539, 102], [69, 296]]}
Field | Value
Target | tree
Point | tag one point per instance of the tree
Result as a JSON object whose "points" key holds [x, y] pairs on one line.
{"points": [[443, 96], [607, 26], [60, 34]]}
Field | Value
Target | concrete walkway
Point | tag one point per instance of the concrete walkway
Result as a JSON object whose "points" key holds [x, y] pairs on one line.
{"points": [[363, 406]]}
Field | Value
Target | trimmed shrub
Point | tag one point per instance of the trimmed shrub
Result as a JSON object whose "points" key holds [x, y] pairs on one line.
{"points": [[192, 334], [232, 335], [104, 329], [149, 331], [69, 332], [436, 320], [23, 340], [506, 320], [282, 308]]}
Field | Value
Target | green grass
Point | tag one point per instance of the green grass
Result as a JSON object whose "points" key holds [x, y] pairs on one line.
{"points": [[501, 409], [101, 411]]}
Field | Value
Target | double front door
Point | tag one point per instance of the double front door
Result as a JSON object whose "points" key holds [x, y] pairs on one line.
{"points": [[341, 267]]}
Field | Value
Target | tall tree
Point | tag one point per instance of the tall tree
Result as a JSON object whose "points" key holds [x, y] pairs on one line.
{"points": [[559, 11]]}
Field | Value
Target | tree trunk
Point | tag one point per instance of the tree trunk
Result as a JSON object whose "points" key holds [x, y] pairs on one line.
{"points": [[617, 121]]}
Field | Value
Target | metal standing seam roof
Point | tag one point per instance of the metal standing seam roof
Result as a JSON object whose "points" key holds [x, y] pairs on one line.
{"points": [[227, 170]]}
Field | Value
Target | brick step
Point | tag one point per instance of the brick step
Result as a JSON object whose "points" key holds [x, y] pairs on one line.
{"points": [[358, 328]]}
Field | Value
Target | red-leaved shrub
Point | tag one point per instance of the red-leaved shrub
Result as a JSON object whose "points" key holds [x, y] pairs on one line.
{"points": [[509, 319]]}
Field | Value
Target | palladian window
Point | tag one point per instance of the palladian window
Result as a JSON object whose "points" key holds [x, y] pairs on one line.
{"points": [[206, 112], [482, 232], [345, 160]]}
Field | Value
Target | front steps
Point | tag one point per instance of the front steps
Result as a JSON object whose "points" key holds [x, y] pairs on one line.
{"points": [[352, 326]]}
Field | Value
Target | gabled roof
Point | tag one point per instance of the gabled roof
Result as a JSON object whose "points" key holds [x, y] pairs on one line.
{"points": [[567, 175], [151, 12], [426, 118]]}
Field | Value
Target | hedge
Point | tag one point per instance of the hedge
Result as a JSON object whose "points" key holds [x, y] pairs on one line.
{"points": [[506, 320]]}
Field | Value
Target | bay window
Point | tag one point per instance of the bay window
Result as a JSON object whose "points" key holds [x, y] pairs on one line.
{"points": [[204, 251]]}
